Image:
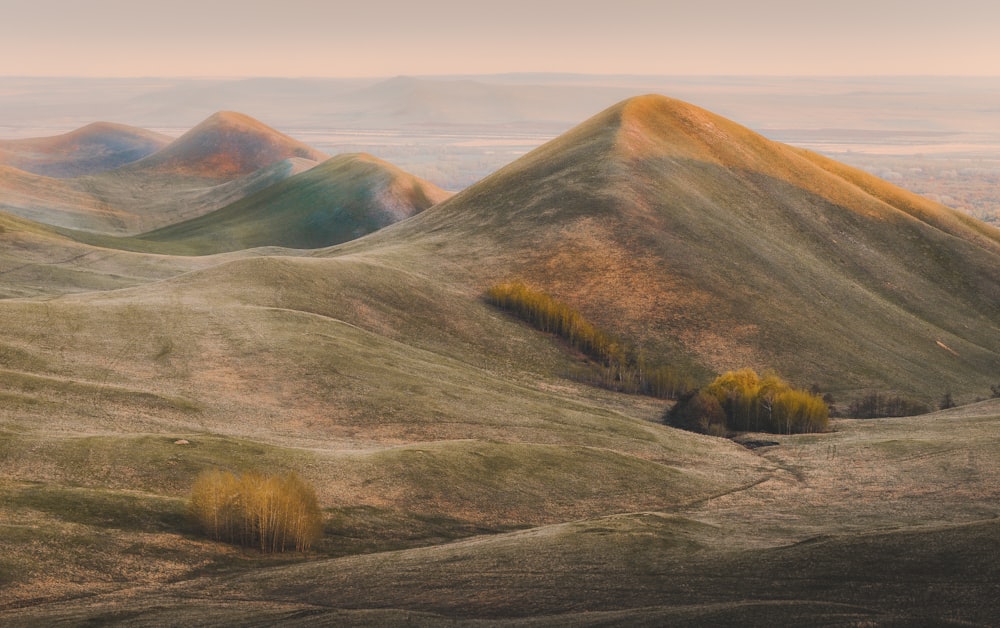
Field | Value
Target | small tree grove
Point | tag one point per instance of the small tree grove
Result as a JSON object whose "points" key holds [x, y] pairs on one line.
{"points": [[744, 401], [272, 513], [622, 367]]}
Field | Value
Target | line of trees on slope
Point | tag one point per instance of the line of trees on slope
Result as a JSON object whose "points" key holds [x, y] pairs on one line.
{"points": [[744, 401], [877, 405], [622, 367], [272, 513]]}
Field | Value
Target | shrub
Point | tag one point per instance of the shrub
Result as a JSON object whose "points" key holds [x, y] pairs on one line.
{"points": [[273, 513], [698, 411]]}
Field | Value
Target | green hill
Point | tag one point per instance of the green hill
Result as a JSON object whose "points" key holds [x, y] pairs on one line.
{"points": [[341, 199], [223, 159]]}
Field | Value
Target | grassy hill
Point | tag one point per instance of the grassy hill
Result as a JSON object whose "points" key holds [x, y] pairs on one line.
{"points": [[342, 199], [94, 148], [226, 145], [462, 474], [223, 159], [703, 242]]}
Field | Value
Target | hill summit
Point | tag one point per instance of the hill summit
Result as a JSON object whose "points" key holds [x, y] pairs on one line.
{"points": [[227, 145], [94, 148]]}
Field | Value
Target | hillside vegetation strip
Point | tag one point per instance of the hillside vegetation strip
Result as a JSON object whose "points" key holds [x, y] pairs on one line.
{"points": [[623, 368]]}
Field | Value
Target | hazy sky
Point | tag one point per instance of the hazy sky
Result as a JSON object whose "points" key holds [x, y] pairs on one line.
{"points": [[385, 38]]}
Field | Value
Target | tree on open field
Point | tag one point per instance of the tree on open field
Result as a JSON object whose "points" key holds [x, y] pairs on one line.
{"points": [[272, 513], [749, 402]]}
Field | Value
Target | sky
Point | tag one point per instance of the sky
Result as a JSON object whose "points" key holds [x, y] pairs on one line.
{"points": [[372, 38]]}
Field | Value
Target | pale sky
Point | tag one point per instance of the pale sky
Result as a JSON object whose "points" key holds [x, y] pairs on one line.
{"points": [[234, 38]]}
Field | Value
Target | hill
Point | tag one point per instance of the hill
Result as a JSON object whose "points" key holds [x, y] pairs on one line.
{"points": [[223, 159], [463, 474], [94, 148], [226, 145], [703, 242], [342, 199]]}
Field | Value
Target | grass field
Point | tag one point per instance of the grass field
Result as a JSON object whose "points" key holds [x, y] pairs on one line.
{"points": [[465, 475]]}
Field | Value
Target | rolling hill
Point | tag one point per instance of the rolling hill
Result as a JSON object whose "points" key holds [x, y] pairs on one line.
{"points": [[94, 148], [703, 242], [463, 475], [343, 198], [225, 146], [223, 159]]}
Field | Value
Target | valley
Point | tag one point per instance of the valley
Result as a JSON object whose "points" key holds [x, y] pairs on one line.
{"points": [[236, 299]]}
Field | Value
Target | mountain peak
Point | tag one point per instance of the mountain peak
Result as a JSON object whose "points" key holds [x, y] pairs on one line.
{"points": [[234, 119], [655, 124]]}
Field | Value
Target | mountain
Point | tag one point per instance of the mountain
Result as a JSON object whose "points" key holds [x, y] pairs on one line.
{"points": [[225, 146], [343, 198], [54, 201], [97, 147], [703, 242]]}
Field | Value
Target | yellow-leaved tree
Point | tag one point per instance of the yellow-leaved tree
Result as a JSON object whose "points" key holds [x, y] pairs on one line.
{"points": [[272, 513]]}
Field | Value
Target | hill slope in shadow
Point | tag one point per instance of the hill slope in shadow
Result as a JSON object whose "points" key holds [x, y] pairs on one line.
{"points": [[343, 198]]}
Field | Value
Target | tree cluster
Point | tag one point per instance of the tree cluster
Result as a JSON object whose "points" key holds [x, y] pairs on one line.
{"points": [[876, 405], [272, 513], [623, 368], [744, 401]]}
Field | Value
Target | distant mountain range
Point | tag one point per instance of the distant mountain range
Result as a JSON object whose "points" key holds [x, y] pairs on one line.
{"points": [[227, 157]]}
